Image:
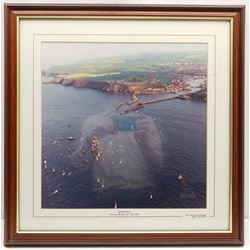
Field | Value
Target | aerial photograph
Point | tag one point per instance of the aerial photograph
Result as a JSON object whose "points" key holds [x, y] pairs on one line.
{"points": [[124, 125]]}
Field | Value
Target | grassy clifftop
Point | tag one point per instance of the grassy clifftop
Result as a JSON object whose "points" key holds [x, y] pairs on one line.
{"points": [[134, 68]]}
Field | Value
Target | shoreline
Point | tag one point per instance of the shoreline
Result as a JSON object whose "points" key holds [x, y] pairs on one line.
{"points": [[189, 97]]}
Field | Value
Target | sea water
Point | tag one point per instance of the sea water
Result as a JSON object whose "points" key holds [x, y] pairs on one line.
{"points": [[136, 181]]}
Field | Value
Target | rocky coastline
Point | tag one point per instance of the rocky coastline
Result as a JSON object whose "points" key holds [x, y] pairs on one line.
{"points": [[95, 85], [137, 89]]}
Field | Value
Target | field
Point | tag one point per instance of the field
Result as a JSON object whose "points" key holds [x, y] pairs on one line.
{"points": [[135, 69], [91, 75]]}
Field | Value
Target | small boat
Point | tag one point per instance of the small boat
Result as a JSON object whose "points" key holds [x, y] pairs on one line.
{"points": [[55, 192], [151, 196], [98, 180], [63, 173], [53, 170], [182, 179], [115, 206], [71, 138], [45, 164]]}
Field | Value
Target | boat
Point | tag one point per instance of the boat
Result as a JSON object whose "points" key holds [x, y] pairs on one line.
{"points": [[182, 179], [55, 192], [115, 206]]}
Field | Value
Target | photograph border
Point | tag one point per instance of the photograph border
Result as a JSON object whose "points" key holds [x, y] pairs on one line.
{"points": [[13, 14]]}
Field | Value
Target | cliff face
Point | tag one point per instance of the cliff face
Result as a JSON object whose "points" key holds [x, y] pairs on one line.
{"points": [[118, 88], [96, 85], [80, 83], [127, 88]]}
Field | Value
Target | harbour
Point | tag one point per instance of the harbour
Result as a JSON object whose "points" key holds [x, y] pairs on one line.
{"points": [[77, 182]]}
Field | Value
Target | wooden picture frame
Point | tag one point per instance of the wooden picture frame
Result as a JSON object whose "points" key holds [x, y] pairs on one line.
{"points": [[13, 13]]}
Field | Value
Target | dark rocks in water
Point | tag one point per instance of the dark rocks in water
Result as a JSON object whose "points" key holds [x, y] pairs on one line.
{"points": [[200, 95]]}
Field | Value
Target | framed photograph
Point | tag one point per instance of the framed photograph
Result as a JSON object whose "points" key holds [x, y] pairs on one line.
{"points": [[124, 125]]}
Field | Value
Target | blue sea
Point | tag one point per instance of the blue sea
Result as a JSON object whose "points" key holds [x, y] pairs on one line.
{"points": [[157, 156]]}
